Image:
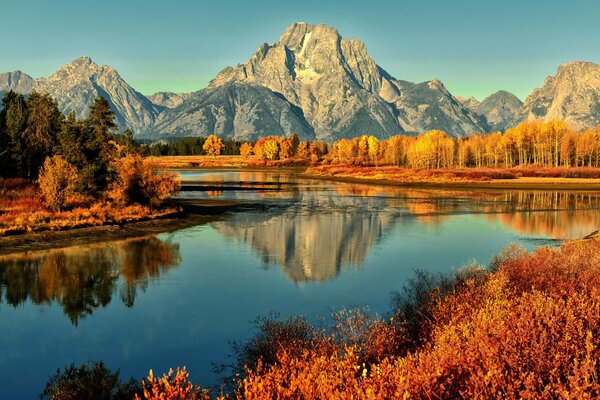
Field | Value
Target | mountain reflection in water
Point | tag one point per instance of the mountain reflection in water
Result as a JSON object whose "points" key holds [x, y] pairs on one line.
{"points": [[83, 278], [317, 230]]}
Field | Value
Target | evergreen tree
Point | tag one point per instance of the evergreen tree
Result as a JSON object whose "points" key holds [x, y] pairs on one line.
{"points": [[71, 141], [14, 118], [100, 128], [40, 136], [5, 155]]}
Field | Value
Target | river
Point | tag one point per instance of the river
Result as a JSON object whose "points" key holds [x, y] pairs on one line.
{"points": [[300, 246]]}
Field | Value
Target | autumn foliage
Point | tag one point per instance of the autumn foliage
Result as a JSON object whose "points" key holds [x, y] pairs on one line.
{"points": [[58, 179], [171, 387], [528, 328], [138, 181], [213, 145]]}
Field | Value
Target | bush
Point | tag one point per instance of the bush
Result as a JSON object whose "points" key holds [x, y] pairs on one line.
{"points": [[57, 181], [89, 381], [171, 387], [140, 182]]}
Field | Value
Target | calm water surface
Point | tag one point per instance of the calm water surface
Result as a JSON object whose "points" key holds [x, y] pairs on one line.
{"points": [[310, 246]]}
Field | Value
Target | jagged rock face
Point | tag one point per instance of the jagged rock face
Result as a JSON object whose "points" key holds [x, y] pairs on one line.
{"points": [[16, 81], [309, 243], [343, 92], [235, 111], [471, 103], [573, 94], [168, 99], [500, 110], [77, 84]]}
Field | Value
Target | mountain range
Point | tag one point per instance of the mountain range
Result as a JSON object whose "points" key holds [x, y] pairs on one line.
{"points": [[318, 84]]}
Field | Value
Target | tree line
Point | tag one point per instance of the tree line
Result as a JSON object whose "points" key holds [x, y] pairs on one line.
{"points": [[537, 143]]}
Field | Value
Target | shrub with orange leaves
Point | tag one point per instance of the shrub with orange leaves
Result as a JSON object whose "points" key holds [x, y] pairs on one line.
{"points": [[140, 182], [171, 387], [529, 328]]}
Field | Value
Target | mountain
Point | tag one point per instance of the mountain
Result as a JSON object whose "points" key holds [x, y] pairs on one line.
{"points": [[500, 110], [573, 94], [235, 111], [342, 92], [77, 84], [471, 103], [168, 99], [16, 81]]}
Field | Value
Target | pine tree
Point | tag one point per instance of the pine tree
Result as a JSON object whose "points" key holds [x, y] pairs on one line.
{"points": [[15, 117], [40, 136], [100, 152]]}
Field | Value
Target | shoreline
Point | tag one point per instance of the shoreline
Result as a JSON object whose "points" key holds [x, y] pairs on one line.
{"points": [[576, 184], [194, 213], [199, 212]]}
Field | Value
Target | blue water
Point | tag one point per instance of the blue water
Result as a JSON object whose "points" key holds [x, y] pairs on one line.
{"points": [[179, 298]]}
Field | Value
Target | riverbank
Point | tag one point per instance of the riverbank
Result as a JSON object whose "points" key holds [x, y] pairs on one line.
{"points": [[462, 178], [183, 214], [223, 162]]}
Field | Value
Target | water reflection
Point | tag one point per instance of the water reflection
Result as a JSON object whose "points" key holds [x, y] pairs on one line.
{"points": [[314, 238], [83, 278], [317, 229]]}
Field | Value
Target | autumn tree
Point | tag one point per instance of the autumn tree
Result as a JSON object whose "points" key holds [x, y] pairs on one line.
{"points": [[303, 150], [373, 149], [138, 181], [57, 181], [286, 148], [213, 145], [259, 148], [271, 149], [246, 150]]}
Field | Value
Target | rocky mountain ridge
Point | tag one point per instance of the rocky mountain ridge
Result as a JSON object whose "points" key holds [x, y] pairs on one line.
{"points": [[318, 84]]}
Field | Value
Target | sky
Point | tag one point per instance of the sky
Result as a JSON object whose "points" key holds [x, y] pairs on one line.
{"points": [[474, 47]]}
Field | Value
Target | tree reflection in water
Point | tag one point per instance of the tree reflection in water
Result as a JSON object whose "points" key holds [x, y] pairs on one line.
{"points": [[84, 278]]}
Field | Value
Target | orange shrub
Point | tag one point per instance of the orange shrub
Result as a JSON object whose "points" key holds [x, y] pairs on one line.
{"points": [[169, 387], [140, 182], [529, 329]]}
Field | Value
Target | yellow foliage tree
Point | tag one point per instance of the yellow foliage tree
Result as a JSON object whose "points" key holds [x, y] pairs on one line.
{"points": [[57, 181], [246, 150], [213, 145], [271, 149]]}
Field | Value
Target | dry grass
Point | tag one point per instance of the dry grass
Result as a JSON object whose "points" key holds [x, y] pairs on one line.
{"points": [[165, 162], [22, 210], [450, 175], [174, 162]]}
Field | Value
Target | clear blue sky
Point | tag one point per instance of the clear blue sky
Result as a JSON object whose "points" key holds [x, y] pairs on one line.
{"points": [[474, 47]]}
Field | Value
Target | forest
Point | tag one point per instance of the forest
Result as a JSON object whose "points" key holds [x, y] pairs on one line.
{"points": [[57, 172]]}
